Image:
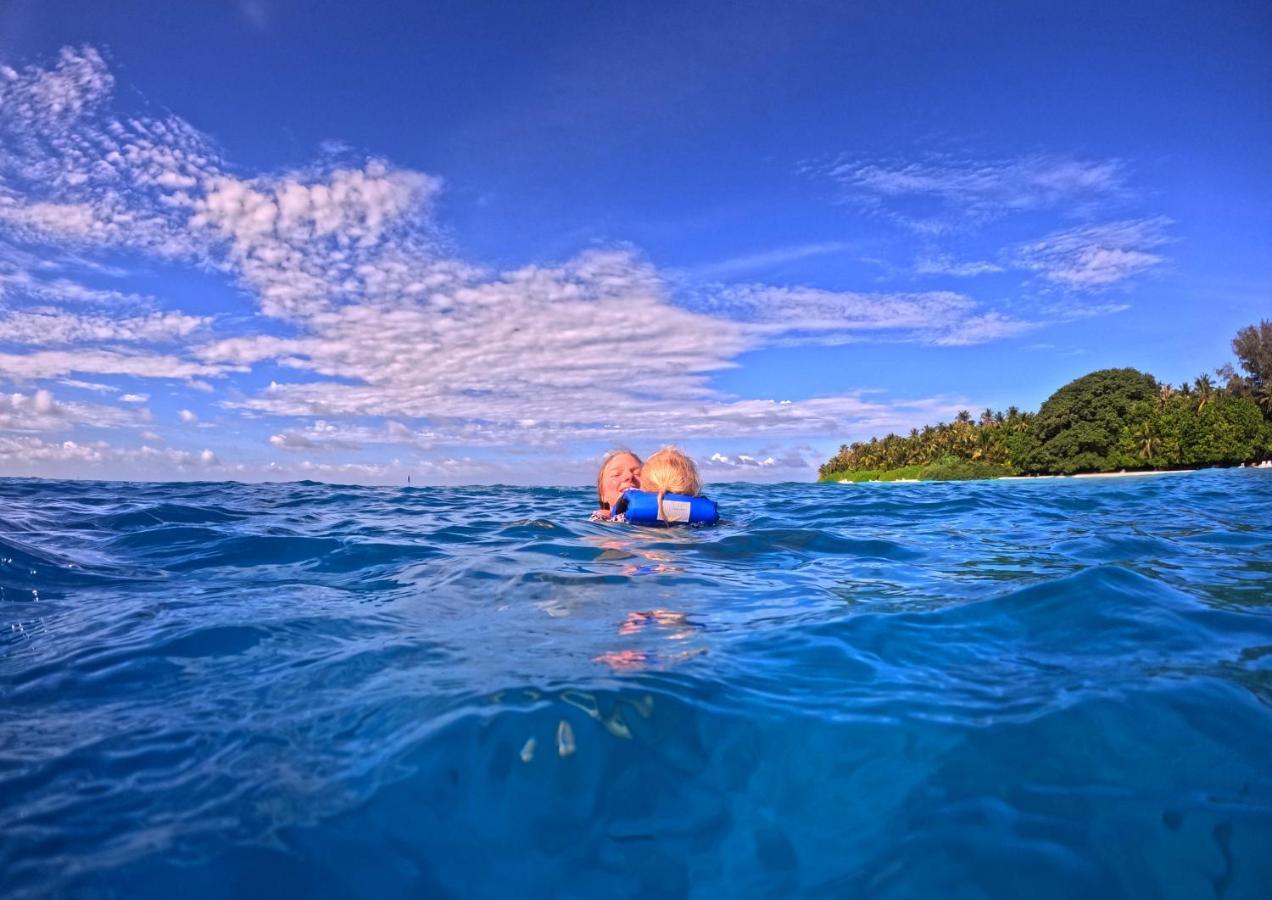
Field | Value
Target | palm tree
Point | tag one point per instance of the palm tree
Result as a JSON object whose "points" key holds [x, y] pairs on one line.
{"points": [[1205, 391], [1146, 437]]}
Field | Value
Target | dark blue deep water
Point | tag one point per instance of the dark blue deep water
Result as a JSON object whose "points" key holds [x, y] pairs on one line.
{"points": [[1013, 689]]}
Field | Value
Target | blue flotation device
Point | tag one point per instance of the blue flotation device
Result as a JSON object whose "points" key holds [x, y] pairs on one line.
{"points": [[641, 508]]}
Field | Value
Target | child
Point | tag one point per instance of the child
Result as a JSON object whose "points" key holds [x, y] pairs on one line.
{"points": [[670, 472]]}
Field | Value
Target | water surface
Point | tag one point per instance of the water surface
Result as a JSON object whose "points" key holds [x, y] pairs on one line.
{"points": [[1048, 688]]}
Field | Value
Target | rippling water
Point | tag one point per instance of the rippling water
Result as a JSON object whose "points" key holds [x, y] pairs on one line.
{"points": [[1044, 688]]}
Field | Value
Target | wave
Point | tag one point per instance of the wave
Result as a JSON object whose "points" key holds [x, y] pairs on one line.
{"points": [[882, 690]]}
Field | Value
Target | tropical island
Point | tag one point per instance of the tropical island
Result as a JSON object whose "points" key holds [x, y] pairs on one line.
{"points": [[1112, 420]]}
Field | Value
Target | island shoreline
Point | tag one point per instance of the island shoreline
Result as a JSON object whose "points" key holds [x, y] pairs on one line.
{"points": [[1027, 477]]}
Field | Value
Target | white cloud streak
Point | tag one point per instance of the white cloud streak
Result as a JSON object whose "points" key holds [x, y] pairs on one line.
{"points": [[1096, 256], [807, 315], [977, 189], [57, 363], [728, 268], [51, 327], [943, 265]]}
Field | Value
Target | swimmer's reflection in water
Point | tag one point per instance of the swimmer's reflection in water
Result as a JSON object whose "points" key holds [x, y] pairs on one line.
{"points": [[674, 623], [677, 627], [667, 471]]}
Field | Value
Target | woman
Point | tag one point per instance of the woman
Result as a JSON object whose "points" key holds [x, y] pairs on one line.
{"points": [[620, 470]]}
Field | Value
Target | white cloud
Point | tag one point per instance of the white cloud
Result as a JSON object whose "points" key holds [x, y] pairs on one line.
{"points": [[93, 386], [741, 460], [244, 351], [539, 343], [943, 265], [982, 329], [772, 462], [734, 266], [60, 220], [40, 411], [924, 193], [303, 244], [18, 283], [30, 412], [32, 450], [942, 194], [78, 81], [290, 440], [187, 417], [35, 455], [1096, 256], [340, 471], [803, 315], [51, 327], [74, 174], [135, 398], [57, 363], [323, 435]]}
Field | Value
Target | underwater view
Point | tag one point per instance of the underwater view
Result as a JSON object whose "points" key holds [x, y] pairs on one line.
{"points": [[980, 689]]}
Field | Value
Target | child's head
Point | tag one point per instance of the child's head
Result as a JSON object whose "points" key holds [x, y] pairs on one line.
{"points": [[670, 472]]}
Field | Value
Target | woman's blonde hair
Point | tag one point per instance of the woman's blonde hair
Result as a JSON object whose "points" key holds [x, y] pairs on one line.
{"points": [[669, 471], [600, 473]]}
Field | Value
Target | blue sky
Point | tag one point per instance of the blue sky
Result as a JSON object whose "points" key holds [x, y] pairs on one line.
{"points": [[485, 242]]}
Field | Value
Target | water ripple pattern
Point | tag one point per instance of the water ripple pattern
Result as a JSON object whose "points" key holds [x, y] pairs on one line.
{"points": [[1045, 688]]}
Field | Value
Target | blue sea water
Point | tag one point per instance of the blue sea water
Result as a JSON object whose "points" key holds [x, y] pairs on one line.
{"points": [[996, 689]]}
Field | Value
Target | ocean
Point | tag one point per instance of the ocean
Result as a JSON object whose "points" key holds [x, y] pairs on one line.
{"points": [[1046, 688]]}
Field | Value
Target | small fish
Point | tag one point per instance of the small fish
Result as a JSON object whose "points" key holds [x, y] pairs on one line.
{"points": [[565, 739], [527, 752], [617, 727], [644, 706], [582, 701]]}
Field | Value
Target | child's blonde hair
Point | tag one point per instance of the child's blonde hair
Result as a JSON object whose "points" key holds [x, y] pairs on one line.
{"points": [[670, 472]]}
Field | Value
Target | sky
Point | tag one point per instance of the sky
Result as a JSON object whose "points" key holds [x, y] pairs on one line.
{"points": [[485, 242]]}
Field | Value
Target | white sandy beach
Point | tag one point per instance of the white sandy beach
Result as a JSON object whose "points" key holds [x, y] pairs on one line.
{"points": [[1043, 477], [1098, 475]]}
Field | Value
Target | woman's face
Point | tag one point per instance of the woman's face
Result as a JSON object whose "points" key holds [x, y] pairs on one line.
{"points": [[620, 473]]}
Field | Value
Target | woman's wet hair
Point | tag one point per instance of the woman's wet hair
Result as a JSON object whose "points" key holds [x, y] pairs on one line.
{"points": [[600, 473]]}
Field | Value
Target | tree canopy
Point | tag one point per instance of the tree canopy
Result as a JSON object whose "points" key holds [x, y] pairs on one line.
{"points": [[1079, 427], [1105, 421], [1253, 347]]}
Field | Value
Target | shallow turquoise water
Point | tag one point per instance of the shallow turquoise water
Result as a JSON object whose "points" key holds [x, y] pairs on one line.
{"points": [[1044, 689]]}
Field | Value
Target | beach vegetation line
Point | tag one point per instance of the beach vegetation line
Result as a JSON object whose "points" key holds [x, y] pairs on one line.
{"points": [[1107, 421]]}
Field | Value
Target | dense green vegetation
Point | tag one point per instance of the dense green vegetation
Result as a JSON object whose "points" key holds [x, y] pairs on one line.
{"points": [[1107, 421]]}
